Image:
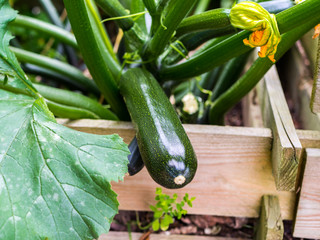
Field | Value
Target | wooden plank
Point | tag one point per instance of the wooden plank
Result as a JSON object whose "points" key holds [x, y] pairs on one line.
{"points": [[315, 98], [270, 222], [307, 222], [287, 148], [136, 236], [234, 170]]}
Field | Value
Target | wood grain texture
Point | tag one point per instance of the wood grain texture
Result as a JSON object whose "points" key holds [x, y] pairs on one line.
{"points": [[234, 170], [307, 223], [315, 98], [287, 149], [270, 222], [136, 236]]}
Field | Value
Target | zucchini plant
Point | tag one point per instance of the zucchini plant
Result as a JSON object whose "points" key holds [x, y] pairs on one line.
{"points": [[54, 181]]}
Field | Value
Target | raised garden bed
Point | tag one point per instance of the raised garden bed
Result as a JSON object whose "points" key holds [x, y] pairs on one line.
{"points": [[238, 165]]}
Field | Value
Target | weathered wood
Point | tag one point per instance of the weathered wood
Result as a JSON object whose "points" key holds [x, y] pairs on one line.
{"points": [[136, 236], [307, 222], [234, 170], [309, 139], [287, 149], [270, 222], [315, 98]]}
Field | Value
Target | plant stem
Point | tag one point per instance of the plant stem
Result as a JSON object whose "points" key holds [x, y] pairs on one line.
{"points": [[53, 75], [176, 10], [55, 18], [76, 100], [96, 23], [47, 28], [213, 19], [221, 105], [307, 11], [114, 9], [51, 12], [57, 66], [96, 54], [139, 223], [136, 7], [63, 111]]}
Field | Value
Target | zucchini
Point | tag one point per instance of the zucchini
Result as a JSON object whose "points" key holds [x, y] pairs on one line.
{"points": [[164, 146], [135, 161]]}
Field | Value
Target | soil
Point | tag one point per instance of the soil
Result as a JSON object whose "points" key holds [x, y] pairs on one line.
{"points": [[201, 225]]}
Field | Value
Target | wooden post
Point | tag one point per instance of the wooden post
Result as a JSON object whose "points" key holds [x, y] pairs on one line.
{"points": [[307, 222], [270, 222], [287, 149], [315, 99]]}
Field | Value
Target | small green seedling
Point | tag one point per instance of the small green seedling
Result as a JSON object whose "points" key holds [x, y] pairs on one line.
{"points": [[166, 209]]}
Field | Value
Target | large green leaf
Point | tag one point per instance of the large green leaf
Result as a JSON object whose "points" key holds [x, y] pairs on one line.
{"points": [[54, 181]]}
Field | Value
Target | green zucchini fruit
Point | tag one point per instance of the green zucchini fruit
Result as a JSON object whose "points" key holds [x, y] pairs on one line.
{"points": [[164, 146], [135, 161]]}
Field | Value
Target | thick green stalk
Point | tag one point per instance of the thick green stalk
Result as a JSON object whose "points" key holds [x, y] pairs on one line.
{"points": [[212, 19], [151, 6], [95, 54], [176, 10], [162, 4], [135, 36], [52, 12], [55, 65], [63, 111], [115, 9], [229, 75], [47, 28], [207, 82], [297, 15], [53, 75], [221, 105], [54, 17], [98, 28], [305, 12], [137, 6], [192, 41], [76, 100], [219, 18]]}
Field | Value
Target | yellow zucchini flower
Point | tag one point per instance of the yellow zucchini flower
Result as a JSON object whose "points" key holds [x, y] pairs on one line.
{"points": [[251, 16], [316, 31]]}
